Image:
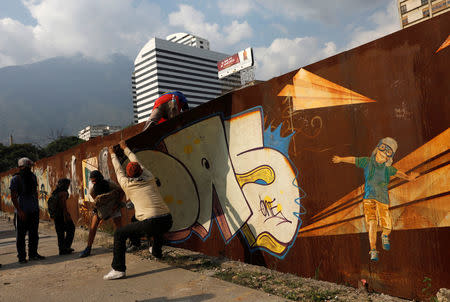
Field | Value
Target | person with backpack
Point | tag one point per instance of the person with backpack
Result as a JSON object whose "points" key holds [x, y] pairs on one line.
{"points": [[24, 195], [108, 198], [57, 208], [167, 106]]}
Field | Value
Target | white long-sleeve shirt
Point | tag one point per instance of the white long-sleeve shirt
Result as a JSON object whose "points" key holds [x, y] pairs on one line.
{"points": [[142, 190]]}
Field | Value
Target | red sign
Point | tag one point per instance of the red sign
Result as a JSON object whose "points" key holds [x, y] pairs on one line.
{"points": [[230, 61]]}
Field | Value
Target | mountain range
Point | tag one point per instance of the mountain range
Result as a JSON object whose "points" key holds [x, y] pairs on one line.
{"points": [[63, 95]]}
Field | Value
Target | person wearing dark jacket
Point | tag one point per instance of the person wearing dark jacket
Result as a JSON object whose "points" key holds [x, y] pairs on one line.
{"points": [[65, 229], [24, 196]]}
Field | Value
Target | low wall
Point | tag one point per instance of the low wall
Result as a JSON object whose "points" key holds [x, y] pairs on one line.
{"points": [[250, 175]]}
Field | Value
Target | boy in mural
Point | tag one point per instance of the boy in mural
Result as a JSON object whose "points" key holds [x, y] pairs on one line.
{"points": [[377, 173], [152, 214], [24, 195], [167, 106], [102, 186]]}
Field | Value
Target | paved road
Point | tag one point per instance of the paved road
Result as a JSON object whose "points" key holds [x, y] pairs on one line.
{"points": [[69, 278]]}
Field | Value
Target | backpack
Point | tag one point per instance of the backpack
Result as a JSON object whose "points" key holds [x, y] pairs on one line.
{"points": [[107, 203], [52, 204]]}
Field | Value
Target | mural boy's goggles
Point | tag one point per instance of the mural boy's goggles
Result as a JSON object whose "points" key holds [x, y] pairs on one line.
{"points": [[386, 149]]}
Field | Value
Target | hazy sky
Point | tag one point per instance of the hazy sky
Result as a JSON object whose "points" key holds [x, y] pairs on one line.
{"points": [[285, 34]]}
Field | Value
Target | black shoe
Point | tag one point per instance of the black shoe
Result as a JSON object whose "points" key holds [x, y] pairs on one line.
{"points": [[86, 252], [66, 251], [37, 257], [23, 261]]}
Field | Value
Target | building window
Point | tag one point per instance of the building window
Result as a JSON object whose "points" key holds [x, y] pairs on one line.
{"points": [[426, 12], [405, 21], [403, 9], [424, 2], [439, 6]]}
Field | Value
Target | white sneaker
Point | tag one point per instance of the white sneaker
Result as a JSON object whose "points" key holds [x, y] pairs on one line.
{"points": [[150, 249], [113, 274]]}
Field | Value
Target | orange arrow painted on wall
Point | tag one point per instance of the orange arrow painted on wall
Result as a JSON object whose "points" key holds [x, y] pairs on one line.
{"points": [[444, 45], [311, 91]]}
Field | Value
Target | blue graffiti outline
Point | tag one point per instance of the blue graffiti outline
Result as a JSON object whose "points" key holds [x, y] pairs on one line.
{"points": [[297, 200]]}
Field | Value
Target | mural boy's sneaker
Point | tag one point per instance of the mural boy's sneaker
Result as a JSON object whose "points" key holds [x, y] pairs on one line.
{"points": [[86, 252], [113, 274], [386, 243], [373, 255]]}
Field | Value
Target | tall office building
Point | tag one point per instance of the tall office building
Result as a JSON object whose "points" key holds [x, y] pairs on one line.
{"points": [[415, 11], [182, 62]]}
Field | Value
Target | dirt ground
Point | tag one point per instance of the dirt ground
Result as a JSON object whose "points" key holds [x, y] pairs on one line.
{"points": [[272, 282], [284, 285]]}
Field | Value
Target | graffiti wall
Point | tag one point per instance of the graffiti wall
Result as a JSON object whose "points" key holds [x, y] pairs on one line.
{"points": [[338, 170], [242, 180]]}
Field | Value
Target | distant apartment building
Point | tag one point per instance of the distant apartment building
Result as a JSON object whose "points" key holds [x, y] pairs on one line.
{"points": [[415, 11], [97, 130], [182, 62]]}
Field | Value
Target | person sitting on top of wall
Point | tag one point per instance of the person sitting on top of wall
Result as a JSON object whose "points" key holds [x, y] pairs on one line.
{"points": [[166, 107]]}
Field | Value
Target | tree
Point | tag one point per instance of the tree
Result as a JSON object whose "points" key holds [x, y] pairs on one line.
{"points": [[10, 154], [62, 144]]}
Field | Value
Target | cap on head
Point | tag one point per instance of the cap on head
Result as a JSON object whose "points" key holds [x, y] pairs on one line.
{"points": [[134, 169], [392, 143], [25, 162], [96, 174], [63, 182]]}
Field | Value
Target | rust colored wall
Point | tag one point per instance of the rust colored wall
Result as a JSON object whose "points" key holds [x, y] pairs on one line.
{"points": [[250, 175]]}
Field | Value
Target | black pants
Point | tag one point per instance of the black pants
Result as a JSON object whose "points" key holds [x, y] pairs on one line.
{"points": [[30, 224], [155, 227], [135, 239], [65, 230]]}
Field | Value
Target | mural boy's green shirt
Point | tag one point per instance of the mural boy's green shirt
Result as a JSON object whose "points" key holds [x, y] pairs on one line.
{"points": [[377, 178]]}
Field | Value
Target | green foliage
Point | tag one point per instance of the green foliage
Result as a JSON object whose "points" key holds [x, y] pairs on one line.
{"points": [[10, 154], [427, 289], [62, 144]]}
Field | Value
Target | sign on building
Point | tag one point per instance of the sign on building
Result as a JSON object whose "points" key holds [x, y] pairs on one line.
{"points": [[235, 63]]}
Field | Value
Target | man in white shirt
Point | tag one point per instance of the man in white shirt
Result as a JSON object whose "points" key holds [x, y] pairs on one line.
{"points": [[152, 213]]}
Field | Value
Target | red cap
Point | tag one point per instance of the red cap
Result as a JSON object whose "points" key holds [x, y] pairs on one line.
{"points": [[134, 169]]}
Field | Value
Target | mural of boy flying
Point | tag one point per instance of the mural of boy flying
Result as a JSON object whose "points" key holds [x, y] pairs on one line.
{"points": [[377, 173]]}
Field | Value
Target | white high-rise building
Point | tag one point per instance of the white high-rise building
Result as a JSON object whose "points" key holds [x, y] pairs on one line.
{"points": [[182, 62], [97, 130], [415, 11]]}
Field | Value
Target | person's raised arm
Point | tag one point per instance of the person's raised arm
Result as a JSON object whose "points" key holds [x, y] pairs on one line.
{"points": [[120, 174], [131, 156], [349, 160]]}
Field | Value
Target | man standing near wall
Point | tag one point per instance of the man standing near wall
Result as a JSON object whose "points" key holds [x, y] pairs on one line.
{"points": [[24, 196], [152, 214]]}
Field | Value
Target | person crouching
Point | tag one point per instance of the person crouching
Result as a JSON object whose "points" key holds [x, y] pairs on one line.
{"points": [[152, 214]]}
